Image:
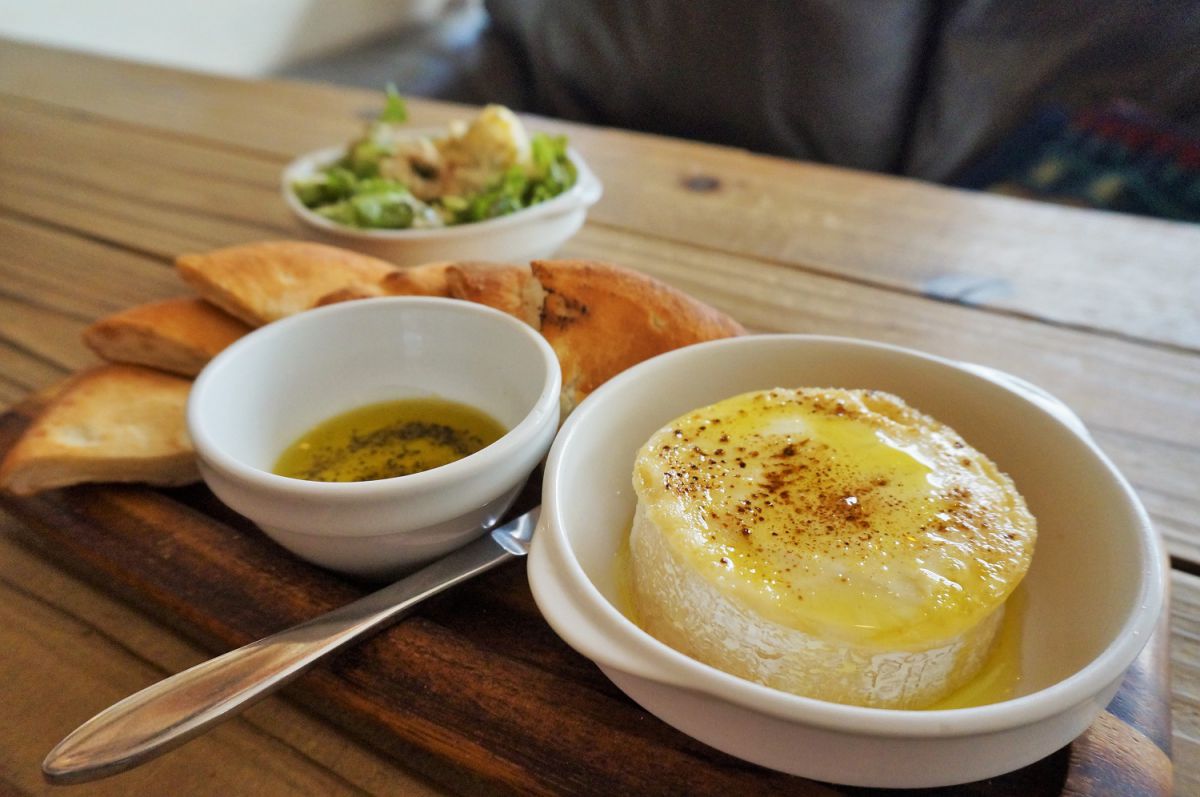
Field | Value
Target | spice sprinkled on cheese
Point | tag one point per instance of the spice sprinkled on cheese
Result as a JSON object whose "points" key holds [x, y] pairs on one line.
{"points": [[842, 519]]}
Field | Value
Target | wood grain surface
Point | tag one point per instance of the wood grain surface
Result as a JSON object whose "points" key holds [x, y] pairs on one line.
{"points": [[108, 170]]}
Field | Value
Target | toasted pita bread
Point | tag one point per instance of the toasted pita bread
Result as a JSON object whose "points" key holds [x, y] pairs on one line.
{"points": [[601, 319], [113, 423], [424, 280], [350, 295], [263, 282], [177, 335], [506, 287]]}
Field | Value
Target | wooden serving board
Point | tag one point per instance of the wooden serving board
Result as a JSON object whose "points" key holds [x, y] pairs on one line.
{"points": [[475, 690]]}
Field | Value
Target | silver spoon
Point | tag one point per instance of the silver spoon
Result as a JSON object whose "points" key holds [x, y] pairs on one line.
{"points": [[163, 716]]}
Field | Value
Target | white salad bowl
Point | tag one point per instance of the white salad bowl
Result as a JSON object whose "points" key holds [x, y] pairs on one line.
{"points": [[259, 395], [531, 233], [1091, 598]]}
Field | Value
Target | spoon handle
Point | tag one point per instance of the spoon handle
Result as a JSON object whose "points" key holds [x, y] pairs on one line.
{"points": [[181, 707]]}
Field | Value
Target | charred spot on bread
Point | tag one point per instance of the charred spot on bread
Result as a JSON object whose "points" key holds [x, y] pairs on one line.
{"points": [[562, 311]]}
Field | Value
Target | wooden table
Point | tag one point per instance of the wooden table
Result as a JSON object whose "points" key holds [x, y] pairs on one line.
{"points": [[108, 170]]}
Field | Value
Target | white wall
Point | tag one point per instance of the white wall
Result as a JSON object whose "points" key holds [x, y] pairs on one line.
{"points": [[233, 37]]}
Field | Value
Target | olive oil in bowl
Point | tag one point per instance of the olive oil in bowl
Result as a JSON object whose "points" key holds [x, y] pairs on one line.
{"points": [[388, 439]]}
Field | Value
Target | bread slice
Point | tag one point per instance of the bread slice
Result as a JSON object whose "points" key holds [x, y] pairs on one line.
{"points": [[428, 279], [350, 295], [506, 287], [263, 282], [599, 318], [178, 335], [112, 423], [424, 280], [602, 319]]}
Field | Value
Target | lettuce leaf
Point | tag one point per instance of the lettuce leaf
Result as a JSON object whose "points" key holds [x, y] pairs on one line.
{"points": [[394, 110]]}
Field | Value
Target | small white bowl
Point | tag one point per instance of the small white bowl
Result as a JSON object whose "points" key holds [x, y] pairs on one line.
{"points": [[264, 391], [525, 235], [1093, 593]]}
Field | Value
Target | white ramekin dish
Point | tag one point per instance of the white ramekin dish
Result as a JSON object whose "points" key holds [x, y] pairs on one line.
{"points": [[534, 232], [264, 391], [1092, 596]]}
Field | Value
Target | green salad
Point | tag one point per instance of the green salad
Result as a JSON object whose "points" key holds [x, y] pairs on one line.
{"points": [[392, 179]]}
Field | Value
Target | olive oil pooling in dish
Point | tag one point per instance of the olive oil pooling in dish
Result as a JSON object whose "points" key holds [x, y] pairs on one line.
{"points": [[387, 439]]}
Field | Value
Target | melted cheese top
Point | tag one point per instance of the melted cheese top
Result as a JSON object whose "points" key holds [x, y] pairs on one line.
{"points": [[845, 514]]}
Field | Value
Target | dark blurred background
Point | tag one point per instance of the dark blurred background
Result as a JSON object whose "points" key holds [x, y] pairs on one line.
{"points": [[1089, 103]]}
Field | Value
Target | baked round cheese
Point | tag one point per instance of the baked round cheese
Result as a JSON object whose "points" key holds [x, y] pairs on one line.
{"points": [[832, 543]]}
